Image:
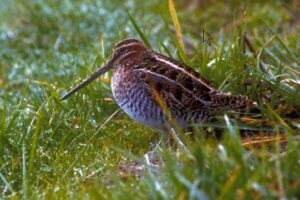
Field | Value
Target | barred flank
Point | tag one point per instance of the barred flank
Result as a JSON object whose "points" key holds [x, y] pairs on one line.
{"points": [[223, 102]]}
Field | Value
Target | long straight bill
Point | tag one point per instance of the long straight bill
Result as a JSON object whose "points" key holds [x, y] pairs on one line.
{"points": [[98, 73]]}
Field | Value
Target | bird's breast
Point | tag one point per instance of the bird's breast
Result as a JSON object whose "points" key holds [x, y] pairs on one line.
{"points": [[135, 99]]}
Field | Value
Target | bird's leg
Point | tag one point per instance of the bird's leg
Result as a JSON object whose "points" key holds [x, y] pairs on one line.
{"points": [[190, 132], [172, 139], [173, 142], [180, 144], [156, 144], [168, 139]]}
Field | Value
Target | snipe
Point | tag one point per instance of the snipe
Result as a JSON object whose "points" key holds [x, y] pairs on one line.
{"points": [[159, 91]]}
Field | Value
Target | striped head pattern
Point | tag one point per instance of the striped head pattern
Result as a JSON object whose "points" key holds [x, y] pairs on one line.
{"points": [[128, 52]]}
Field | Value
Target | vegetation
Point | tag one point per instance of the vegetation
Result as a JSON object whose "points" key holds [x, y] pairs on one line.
{"points": [[72, 150]]}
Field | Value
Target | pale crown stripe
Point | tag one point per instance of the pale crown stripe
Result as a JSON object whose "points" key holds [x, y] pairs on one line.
{"points": [[128, 45]]}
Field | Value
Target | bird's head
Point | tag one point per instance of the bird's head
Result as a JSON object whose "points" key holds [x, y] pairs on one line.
{"points": [[128, 52], [125, 53]]}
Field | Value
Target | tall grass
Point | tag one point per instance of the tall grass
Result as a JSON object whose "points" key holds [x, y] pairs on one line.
{"points": [[65, 150]]}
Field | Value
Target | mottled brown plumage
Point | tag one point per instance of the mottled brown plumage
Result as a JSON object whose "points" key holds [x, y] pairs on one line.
{"points": [[159, 91]]}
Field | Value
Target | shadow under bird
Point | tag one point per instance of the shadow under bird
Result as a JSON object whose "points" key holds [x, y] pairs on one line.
{"points": [[159, 91]]}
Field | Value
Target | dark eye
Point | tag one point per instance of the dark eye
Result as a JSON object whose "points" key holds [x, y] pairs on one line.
{"points": [[122, 50]]}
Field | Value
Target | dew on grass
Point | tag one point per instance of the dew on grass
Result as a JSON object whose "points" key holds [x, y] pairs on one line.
{"points": [[7, 35], [56, 188], [222, 151], [93, 122], [84, 8], [78, 171]]}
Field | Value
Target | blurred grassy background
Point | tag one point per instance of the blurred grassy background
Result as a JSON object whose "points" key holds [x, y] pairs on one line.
{"points": [[50, 149]]}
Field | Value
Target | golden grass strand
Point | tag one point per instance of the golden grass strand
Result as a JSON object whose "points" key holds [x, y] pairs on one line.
{"points": [[176, 24]]}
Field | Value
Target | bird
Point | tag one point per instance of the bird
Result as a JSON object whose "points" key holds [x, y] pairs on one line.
{"points": [[161, 92]]}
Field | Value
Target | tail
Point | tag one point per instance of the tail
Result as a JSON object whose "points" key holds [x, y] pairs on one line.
{"points": [[225, 101]]}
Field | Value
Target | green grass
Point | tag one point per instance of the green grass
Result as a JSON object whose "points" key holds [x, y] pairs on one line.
{"points": [[71, 150]]}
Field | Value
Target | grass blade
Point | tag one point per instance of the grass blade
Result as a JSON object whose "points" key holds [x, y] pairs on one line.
{"points": [[176, 24], [6, 183], [24, 171], [138, 30], [289, 51]]}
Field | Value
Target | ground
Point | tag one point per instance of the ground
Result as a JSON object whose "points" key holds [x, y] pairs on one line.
{"points": [[81, 148]]}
